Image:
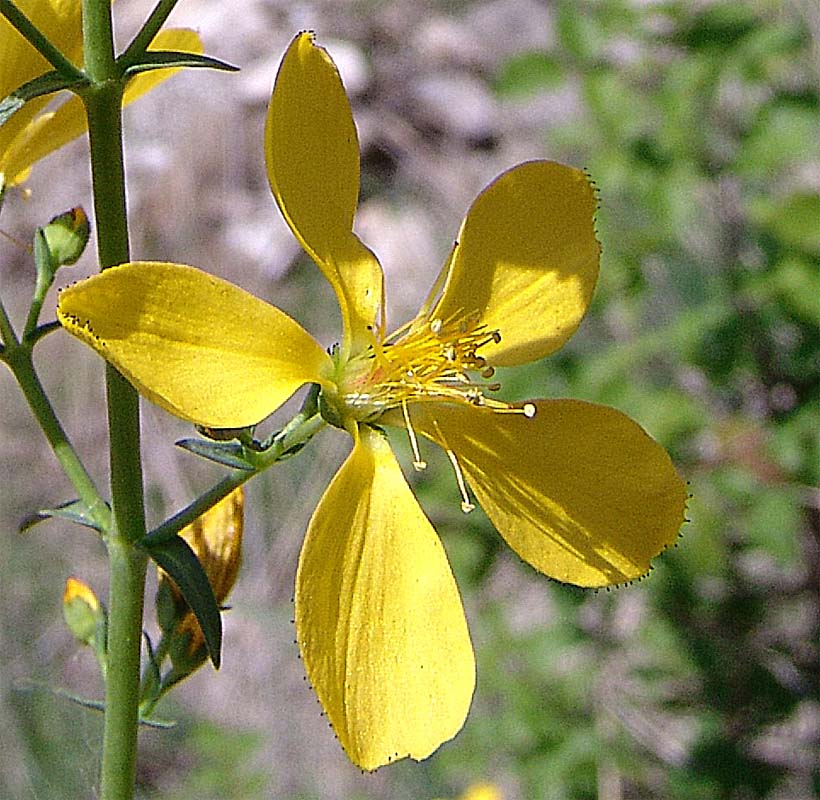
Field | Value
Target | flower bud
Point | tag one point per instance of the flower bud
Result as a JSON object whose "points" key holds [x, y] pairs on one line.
{"points": [[67, 235], [216, 539], [81, 610]]}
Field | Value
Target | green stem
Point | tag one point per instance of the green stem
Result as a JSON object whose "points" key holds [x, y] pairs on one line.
{"points": [[126, 589], [103, 102], [7, 336], [39, 41], [298, 431]]}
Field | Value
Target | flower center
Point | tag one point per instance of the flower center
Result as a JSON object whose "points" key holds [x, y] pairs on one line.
{"points": [[428, 360]]}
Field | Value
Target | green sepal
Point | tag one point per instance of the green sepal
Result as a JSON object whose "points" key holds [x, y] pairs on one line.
{"points": [[87, 622], [152, 694], [100, 641], [162, 59], [229, 454], [48, 83], [185, 660], [177, 558], [73, 510], [167, 608]]}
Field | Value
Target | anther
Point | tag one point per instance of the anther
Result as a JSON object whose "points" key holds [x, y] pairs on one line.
{"points": [[418, 464], [528, 410], [435, 326]]}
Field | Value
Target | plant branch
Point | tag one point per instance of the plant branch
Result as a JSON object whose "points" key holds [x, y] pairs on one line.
{"points": [[297, 432], [146, 35]]}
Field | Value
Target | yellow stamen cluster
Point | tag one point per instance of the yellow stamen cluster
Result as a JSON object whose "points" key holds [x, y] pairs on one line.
{"points": [[424, 360]]}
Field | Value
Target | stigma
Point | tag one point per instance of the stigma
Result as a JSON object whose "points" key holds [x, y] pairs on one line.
{"points": [[425, 360]]}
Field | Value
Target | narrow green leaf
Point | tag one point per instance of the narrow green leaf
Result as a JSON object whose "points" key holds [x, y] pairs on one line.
{"points": [[73, 510], [180, 562], [229, 454], [46, 84], [156, 722], [93, 705], [162, 59]]}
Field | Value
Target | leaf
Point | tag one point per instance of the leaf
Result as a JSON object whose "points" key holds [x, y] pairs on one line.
{"points": [[177, 558], [163, 59], [93, 705], [229, 454], [45, 84], [73, 510]]}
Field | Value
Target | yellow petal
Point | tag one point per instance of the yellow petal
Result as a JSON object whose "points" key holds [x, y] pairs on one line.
{"points": [[60, 21], [312, 155], [34, 137], [378, 615], [526, 260], [216, 539], [198, 346], [43, 135], [580, 491]]}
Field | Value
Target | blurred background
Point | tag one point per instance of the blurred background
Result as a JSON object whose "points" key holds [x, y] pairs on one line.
{"points": [[700, 123]]}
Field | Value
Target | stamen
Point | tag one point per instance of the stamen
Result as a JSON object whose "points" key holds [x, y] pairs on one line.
{"points": [[528, 410], [466, 505], [437, 358], [418, 464]]}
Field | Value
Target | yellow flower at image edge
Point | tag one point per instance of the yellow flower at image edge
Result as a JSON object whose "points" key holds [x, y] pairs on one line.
{"points": [[33, 132], [578, 490]]}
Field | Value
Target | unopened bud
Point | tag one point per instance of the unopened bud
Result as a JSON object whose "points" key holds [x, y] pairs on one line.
{"points": [[81, 611], [216, 539], [66, 236]]}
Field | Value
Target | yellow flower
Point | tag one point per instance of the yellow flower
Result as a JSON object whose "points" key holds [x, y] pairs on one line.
{"points": [[32, 132], [482, 791], [578, 490]]}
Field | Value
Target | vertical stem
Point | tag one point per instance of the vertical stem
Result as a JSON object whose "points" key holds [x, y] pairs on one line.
{"points": [[103, 101], [127, 567]]}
